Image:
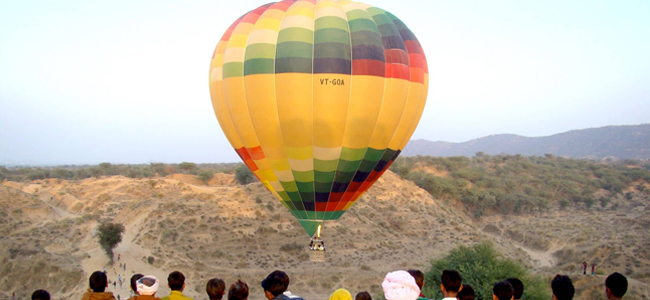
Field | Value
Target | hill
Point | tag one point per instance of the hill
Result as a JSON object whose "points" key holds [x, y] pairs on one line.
{"points": [[223, 229], [622, 142]]}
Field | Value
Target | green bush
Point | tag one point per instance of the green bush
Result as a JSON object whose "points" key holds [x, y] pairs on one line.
{"points": [[481, 266], [110, 235], [243, 175], [205, 175]]}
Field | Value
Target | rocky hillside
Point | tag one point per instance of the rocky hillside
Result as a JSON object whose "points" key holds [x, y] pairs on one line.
{"points": [[222, 229]]}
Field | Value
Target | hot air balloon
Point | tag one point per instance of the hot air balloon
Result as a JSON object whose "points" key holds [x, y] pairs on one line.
{"points": [[318, 98]]}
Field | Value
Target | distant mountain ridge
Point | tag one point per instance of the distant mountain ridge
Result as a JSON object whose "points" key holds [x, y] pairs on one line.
{"points": [[621, 142]]}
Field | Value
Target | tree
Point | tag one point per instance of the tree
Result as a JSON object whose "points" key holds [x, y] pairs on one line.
{"points": [[106, 168], [110, 234], [243, 175], [188, 167], [157, 168], [481, 267], [205, 175]]}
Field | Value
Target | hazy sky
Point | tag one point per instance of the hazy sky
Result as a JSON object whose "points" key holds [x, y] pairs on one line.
{"points": [[127, 81]]}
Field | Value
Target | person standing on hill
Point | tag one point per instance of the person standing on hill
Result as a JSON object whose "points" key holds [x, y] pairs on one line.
{"points": [[518, 286], [98, 283], [584, 268], [419, 280], [615, 286], [593, 268], [562, 288], [451, 283], [176, 282]]}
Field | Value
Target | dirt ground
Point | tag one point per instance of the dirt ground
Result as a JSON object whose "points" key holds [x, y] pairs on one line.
{"points": [[234, 232]]}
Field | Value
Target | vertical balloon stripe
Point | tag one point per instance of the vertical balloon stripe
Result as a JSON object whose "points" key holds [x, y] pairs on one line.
{"points": [[293, 94], [259, 82], [234, 88], [392, 104], [418, 87], [366, 97]]}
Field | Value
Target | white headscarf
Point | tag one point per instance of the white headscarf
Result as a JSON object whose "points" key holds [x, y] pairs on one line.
{"points": [[147, 285], [400, 285]]}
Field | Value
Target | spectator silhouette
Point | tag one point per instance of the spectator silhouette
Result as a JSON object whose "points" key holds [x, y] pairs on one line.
{"points": [[176, 283], [275, 285], [215, 288], [238, 291], [451, 284], [40, 295], [147, 287], [341, 294], [363, 296], [419, 280], [562, 288], [285, 280], [98, 283], [615, 286], [400, 285], [503, 291], [466, 293], [518, 286], [133, 286]]}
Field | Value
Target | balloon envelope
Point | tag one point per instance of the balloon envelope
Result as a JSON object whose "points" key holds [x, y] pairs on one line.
{"points": [[318, 98]]}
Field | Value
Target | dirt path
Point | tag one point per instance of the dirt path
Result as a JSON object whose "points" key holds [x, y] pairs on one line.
{"points": [[539, 259], [131, 254]]}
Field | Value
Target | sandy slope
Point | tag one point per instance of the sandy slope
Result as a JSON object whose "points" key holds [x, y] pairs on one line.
{"points": [[231, 231]]}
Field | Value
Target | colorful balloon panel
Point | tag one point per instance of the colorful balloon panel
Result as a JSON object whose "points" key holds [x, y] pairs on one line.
{"points": [[318, 98]]}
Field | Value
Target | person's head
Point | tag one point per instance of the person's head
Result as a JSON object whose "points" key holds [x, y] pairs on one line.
{"points": [[451, 282], [518, 286], [400, 285], [215, 288], [98, 281], [176, 281], [363, 296], [418, 276], [283, 277], [502, 291], [272, 286], [238, 291], [147, 285], [134, 280], [562, 288], [466, 293], [40, 295], [341, 294], [615, 286]]}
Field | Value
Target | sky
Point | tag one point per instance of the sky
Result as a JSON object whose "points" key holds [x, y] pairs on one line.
{"points": [[85, 82]]}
